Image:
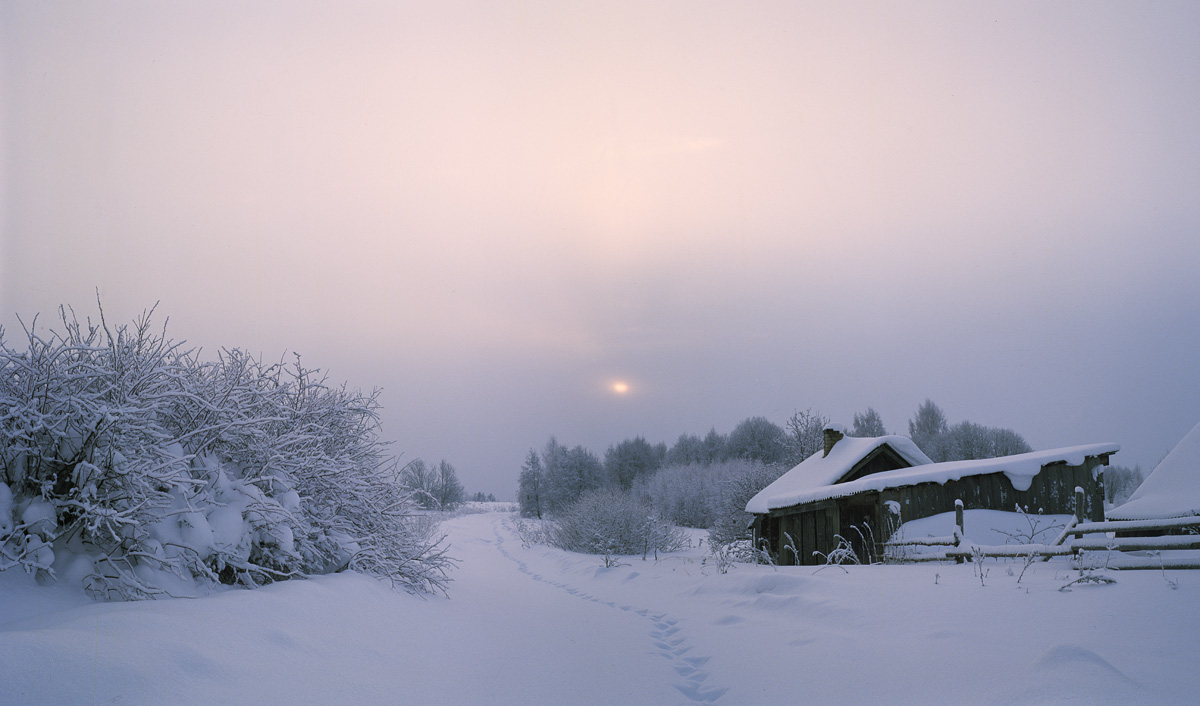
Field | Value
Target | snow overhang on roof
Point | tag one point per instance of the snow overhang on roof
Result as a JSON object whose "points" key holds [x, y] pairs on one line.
{"points": [[818, 471], [1171, 490], [1020, 470]]}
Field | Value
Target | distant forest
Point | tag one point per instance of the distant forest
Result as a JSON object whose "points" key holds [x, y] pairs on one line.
{"points": [[705, 481]]}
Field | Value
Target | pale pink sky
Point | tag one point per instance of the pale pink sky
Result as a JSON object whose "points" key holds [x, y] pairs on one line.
{"points": [[495, 210]]}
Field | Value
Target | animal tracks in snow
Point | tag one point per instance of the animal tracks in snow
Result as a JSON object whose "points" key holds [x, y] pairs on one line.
{"points": [[665, 634]]}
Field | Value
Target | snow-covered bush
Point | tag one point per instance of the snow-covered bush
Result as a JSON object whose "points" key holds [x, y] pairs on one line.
{"points": [[703, 495], [530, 531], [690, 495], [733, 522], [613, 522], [131, 465], [686, 495]]}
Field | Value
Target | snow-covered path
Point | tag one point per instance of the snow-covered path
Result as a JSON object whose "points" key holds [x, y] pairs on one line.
{"points": [[533, 625], [663, 631], [503, 637]]}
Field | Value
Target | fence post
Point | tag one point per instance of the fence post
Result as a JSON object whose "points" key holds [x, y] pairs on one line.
{"points": [[958, 527], [1079, 509]]}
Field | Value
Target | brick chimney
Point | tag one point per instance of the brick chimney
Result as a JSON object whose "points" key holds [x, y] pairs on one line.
{"points": [[833, 433]]}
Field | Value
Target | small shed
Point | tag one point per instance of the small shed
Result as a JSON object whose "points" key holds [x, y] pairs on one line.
{"points": [[1172, 490], [863, 489]]}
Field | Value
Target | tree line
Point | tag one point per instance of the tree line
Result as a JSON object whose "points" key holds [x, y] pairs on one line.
{"points": [[433, 487], [705, 480], [437, 487]]}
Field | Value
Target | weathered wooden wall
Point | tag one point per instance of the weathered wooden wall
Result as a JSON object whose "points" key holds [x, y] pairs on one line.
{"points": [[1052, 492], [813, 527], [796, 535]]}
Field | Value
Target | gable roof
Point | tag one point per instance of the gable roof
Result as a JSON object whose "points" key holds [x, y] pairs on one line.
{"points": [[1171, 490], [805, 486], [819, 471], [1020, 470]]}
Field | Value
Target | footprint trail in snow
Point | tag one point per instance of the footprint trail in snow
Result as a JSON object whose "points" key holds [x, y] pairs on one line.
{"points": [[665, 634]]}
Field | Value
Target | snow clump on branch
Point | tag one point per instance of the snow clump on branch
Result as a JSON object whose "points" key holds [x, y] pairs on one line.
{"points": [[132, 466]]}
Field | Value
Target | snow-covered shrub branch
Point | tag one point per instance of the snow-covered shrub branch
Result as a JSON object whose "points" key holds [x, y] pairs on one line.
{"points": [[700, 494], [130, 463], [613, 522], [741, 483], [686, 495]]}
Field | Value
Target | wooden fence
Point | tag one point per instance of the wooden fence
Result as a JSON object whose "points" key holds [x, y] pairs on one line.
{"points": [[1092, 538]]}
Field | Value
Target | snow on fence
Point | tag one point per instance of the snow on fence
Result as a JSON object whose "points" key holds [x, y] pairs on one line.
{"points": [[1071, 542]]}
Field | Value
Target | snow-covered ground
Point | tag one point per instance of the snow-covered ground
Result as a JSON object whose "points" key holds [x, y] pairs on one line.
{"points": [[541, 626]]}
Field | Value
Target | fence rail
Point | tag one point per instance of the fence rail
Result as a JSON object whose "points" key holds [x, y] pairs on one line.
{"points": [[1138, 525], [1071, 542]]}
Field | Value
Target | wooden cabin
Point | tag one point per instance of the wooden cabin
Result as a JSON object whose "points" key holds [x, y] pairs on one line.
{"points": [[863, 489]]}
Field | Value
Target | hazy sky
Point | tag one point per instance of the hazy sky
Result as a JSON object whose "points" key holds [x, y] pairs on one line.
{"points": [[494, 211]]}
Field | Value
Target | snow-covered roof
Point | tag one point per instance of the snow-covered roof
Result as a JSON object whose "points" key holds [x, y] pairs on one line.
{"points": [[1171, 490], [819, 471], [1020, 470]]}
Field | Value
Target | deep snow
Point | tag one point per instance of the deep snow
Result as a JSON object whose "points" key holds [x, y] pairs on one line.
{"points": [[541, 626], [1172, 489]]}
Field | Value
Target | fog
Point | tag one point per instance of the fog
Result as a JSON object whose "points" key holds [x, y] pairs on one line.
{"points": [[496, 211]]}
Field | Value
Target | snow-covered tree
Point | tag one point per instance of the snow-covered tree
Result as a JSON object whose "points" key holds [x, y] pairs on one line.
{"points": [[962, 441], [688, 449], [804, 435], [714, 447], [683, 495], [421, 480], [967, 440], [434, 488], [629, 460], [757, 439], [1006, 442], [694, 495], [447, 490], [567, 475], [529, 486], [1120, 482], [868, 424], [926, 426], [732, 522]]}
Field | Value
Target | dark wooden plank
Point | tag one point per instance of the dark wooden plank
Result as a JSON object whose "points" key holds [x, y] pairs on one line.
{"points": [[808, 534]]}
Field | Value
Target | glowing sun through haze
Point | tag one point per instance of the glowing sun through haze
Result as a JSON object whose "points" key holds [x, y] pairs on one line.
{"points": [[501, 214]]}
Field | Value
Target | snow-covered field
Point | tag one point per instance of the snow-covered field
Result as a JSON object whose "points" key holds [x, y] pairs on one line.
{"points": [[541, 626]]}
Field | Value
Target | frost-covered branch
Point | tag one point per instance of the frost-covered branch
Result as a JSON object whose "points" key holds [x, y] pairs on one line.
{"points": [[124, 448]]}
